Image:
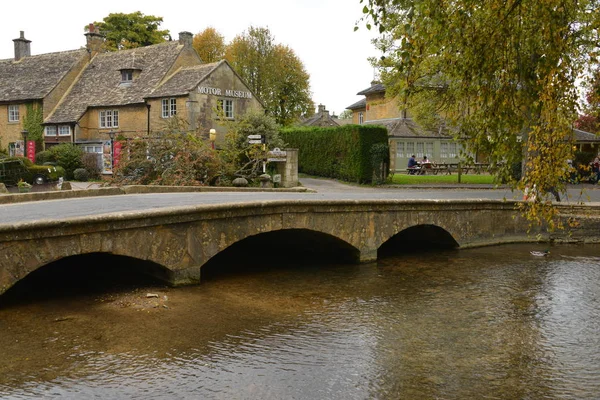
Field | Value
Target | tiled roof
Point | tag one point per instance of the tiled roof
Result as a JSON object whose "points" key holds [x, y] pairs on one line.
{"points": [[406, 127], [359, 104], [375, 88], [583, 136], [100, 83], [319, 120], [184, 80], [33, 77]]}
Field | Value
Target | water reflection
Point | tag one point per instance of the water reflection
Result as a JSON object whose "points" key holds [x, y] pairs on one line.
{"points": [[491, 322]]}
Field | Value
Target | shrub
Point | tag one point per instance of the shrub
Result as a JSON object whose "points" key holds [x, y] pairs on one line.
{"points": [[91, 165], [172, 159], [81, 174], [344, 152], [44, 157], [67, 156]]}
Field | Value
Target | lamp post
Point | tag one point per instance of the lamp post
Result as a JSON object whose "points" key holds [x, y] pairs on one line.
{"points": [[213, 137], [111, 135], [24, 132]]}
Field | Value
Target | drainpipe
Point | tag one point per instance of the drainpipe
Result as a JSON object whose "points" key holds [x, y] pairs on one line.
{"points": [[148, 123]]}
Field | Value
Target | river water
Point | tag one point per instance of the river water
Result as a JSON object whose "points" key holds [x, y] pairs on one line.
{"points": [[486, 323]]}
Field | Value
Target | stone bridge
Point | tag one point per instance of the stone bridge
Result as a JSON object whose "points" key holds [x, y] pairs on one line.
{"points": [[181, 240]]}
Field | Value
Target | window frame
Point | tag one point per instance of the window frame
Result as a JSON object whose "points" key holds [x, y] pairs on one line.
{"points": [[13, 113], [47, 129], [226, 105], [168, 107], [60, 127], [126, 75], [105, 116], [361, 118]]}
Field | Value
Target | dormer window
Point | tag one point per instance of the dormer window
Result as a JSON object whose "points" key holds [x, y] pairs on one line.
{"points": [[126, 75]]}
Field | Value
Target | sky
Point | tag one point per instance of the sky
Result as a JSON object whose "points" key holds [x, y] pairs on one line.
{"points": [[321, 32]]}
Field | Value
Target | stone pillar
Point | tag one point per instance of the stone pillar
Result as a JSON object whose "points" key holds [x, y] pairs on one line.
{"points": [[187, 276], [289, 169], [367, 255]]}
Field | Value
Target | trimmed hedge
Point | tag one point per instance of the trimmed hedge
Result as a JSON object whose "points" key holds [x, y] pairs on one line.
{"points": [[343, 152]]}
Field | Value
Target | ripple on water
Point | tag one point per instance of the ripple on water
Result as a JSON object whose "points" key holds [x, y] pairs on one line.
{"points": [[481, 323]]}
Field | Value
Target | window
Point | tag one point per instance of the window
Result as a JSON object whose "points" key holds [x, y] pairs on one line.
{"points": [[92, 149], [410, 149], [13, 113], [64, 130], [361, 118], [126, 75], [420, 150], [226, 107], [452, 150], [400, 149], [444, 150], [50, 130], [169, 107], [109, 119], [429, 150]]}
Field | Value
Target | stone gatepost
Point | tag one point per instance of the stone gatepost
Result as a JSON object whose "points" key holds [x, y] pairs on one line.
{"points": [[289, 169]]}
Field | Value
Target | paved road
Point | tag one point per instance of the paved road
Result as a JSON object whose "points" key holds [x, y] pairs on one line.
{"points": [[326, 190]]}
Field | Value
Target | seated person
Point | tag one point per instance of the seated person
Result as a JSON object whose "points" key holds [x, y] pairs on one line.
{"points": [[413, 165], [425, 163]]}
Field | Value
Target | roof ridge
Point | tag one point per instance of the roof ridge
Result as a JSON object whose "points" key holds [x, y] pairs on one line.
{"points": [[44, 54]]}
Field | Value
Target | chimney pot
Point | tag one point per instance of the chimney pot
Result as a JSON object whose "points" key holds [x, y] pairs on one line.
{"points": [[22, 47], [186, 38]]}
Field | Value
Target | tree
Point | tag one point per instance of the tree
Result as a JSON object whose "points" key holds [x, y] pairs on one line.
{"points": [[128, 31], [500, 74], [273, 72], [210, 45], [346, 114], [241, 159], [290, 96], [590, 120]]}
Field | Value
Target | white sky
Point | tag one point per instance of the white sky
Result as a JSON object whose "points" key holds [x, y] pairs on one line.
{"points": [[319, 31]]}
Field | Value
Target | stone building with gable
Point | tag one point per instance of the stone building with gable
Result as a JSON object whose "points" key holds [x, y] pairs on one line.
{"points": [[406, 137], [88, 95], [321, 118]]}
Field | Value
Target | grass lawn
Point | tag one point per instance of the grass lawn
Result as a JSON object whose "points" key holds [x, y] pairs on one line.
{"points": [[404, 179]]}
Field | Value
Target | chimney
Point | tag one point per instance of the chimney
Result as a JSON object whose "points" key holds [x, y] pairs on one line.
{"points": [[186, 38], [94, 39], [321, 109], [22, 47]]}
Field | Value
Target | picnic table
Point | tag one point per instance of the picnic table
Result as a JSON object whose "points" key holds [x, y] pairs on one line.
{"points": [[446, 168]]}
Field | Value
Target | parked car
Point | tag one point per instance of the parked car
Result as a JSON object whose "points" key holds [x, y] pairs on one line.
{"points": [[14, 169]]}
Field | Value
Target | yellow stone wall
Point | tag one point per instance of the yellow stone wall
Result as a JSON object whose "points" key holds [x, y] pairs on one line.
{"points": [[380, 107], [132, 123], [160, 124], [10, 131]]}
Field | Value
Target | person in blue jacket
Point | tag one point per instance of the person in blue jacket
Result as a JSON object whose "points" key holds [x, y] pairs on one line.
{"points": [[413, 166]]}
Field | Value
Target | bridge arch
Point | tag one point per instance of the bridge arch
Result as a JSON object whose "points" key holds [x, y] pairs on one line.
{"points": [[72, 274], [289, 245], [418, 237]]}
